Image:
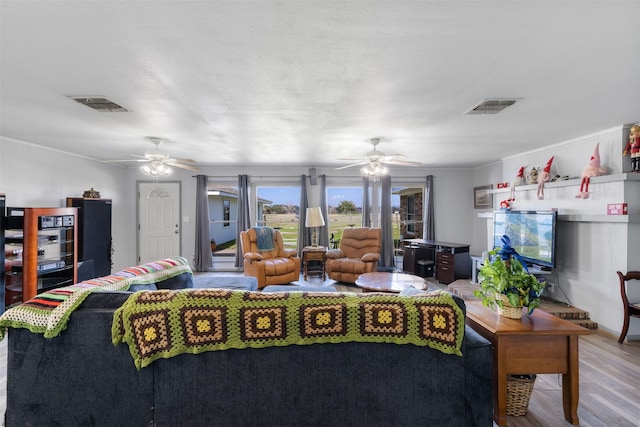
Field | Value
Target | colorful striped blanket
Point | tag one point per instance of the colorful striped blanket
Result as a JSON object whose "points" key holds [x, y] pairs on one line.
{"points": [[166, 323], [48, 313]]}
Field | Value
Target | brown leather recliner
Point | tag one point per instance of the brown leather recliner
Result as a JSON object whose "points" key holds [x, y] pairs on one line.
{"points": [[271, 267], [359, 253]]}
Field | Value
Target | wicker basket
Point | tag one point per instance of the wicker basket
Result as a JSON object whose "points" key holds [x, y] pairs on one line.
{"points": [[507, 310], [519, 389]]}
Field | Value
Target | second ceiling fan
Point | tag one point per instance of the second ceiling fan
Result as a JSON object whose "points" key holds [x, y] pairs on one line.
{"points": [[373, 162]]}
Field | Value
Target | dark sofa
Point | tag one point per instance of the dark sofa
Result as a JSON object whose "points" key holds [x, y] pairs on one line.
{"points": [[81, 378]]}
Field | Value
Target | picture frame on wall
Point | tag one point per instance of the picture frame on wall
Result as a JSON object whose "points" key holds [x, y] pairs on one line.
{"points": [[482, 199]]}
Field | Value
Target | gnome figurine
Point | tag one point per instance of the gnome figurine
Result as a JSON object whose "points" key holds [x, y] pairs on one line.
{"points": [[544, 177], [519, 180], [593, 169]]}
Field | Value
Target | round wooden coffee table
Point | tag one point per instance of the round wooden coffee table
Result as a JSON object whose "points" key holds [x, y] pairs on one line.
{"points": [[389, 282]]}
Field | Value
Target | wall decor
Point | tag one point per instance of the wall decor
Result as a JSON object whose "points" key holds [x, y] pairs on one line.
{"points": [[482, 199]]}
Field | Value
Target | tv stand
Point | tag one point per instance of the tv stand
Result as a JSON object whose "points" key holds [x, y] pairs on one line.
{"points": [[477, 262], [539, 269]]}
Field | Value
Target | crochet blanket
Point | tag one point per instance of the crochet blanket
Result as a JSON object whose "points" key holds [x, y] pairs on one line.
{"points": [[48, 313], [166, 323]]}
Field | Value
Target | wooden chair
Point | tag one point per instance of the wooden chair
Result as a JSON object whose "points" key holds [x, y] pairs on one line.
{"points": [[630, 308]]}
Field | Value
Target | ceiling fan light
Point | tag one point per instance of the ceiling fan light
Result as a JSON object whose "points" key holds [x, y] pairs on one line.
{"points": [[374, 169], [145, 169]]}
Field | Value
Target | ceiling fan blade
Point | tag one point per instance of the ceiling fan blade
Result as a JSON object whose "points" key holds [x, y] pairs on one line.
{"points": [[180, 165], [400, 162], [181, 160], [353, 165], [125, 160], [392, 156]]}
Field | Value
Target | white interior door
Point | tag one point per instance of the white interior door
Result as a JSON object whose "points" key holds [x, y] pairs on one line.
{"points": [[159, 231]]}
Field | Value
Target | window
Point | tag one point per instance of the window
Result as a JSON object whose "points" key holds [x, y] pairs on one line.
{"points": [[278, 207], [411, 214], [344, 210], [226, 212]]}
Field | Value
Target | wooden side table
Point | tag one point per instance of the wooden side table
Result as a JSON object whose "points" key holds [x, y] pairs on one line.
{"points": [[539, 343], [314, 253]]}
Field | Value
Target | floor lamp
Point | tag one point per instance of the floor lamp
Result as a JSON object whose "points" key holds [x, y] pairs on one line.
{"points": [[314, 219]]}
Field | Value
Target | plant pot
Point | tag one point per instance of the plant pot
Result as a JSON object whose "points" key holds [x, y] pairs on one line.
{"points": [[507, 310]]}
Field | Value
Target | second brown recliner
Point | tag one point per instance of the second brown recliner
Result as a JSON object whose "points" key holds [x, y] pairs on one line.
{"points": [[359, 253]]}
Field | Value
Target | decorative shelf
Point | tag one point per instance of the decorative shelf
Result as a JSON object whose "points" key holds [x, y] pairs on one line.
{"points": [[571, 182], [630, 219]]}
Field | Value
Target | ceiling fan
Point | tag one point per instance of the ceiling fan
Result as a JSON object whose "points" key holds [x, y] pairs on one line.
{"points": [[158, 162], [374, 160]]}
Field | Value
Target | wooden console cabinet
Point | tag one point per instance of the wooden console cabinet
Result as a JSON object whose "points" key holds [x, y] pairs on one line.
{"points": [[43, 251], [452, 261]]}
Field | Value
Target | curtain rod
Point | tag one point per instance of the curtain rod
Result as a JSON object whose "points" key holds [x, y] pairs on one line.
{"points": [[298, 176]]}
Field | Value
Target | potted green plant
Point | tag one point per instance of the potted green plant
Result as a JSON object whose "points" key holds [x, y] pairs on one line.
{"points": [[506, 283]]}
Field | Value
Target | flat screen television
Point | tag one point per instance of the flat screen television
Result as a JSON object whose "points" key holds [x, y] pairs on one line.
{"points": [[532, 235]]}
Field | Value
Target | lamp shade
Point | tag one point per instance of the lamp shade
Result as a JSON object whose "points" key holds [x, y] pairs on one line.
{"points": [[314, 218]]}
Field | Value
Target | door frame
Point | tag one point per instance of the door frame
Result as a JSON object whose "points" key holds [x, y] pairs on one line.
{"points": [[152, 181]]}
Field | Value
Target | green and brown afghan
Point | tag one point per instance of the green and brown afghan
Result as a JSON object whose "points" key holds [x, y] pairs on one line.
{"points": [[165, 323]]}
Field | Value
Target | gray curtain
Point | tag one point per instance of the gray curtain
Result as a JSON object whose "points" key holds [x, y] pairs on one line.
{"points": [[203, 259], [386, 252], [366, 204], [428, 222], [323, 232], [244, 220], [304, 233]]}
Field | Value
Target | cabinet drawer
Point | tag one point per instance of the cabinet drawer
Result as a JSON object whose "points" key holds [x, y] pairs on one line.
{"points": [[445, 259], [314, 256], [445, 274]]}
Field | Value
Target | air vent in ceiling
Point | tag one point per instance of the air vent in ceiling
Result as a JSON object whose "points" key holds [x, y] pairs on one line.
{"points": [[491, 106], [99, 103]]}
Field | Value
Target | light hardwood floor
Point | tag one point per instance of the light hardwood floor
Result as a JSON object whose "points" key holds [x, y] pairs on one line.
{"points": [[609, 384]]}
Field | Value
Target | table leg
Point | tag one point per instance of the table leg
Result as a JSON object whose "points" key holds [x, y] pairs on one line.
{"points": [[500, 384], [571, 383]]}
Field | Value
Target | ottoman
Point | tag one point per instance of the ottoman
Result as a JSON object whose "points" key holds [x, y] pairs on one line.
{"points": [[246, 283]]}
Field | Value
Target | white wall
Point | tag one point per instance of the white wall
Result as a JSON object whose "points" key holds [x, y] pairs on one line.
{"points": [[32, 176], [589, 251]]}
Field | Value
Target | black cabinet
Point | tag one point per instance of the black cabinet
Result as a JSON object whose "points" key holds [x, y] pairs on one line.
{"points": [[94, 236], [418, 260]]}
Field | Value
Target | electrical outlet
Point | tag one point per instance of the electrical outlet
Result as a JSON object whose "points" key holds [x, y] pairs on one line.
{"points": [[551, 286]]}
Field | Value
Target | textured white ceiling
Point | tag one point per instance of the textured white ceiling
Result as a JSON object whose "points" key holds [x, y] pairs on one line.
{"points": [[306, 82]]}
